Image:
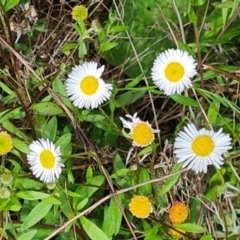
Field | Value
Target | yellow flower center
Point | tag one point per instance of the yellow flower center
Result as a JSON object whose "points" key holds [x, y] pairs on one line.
{"points": [[140, 206], [89, 85], [47, 159], [174, 71], [5, 143], [79, 11], [203, 145], [142, 134], [178, 213]]}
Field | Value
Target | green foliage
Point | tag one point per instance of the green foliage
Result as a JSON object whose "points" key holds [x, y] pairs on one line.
{"points": [[112, 214], [37, 213], [188, 227], [92, 230], [9, 4], [100, 164], [171, 180], [147, 37], [47, 108]]}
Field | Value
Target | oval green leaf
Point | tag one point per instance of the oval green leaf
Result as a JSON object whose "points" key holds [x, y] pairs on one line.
{"points": [[93, 231], [47, 108], [32, 195], [187, 101], [37, 213], [27, 236], [190, 227]]}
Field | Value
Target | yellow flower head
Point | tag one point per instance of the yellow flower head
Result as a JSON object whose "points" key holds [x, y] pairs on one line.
{"points": [[79, 11], [175, 233], [178, 213], [5, 143], [140, 207], [141, 132]]}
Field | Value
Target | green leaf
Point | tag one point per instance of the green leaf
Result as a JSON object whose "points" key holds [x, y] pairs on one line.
{"points": [[94, 232], [82, 50], [171, 181], [27, 183], [88, 191], [59, 88], [218, 175], [213, 111], [81, 25], [15, 201], [64, 207], [118, 162], [207, 237], [225, 4], [113, 215], [184, 100], [195, 209], [27, 236], [47, 108], [3, 204], [119, 28], [9, 4], [51, 200], [17, 132], [192, 16], [120, 172], [94, 117], [31, 195], [77, 28], [135, 81], [65, 144], [216, 191], [145, 150], [11, 114], [144, 176], [82, 204], [73, 194], [232, 237], [190, 227], [107, 46], [20, 145], [39, 27], [6, 89], [67, 47], [102, 36], [152, 233], [40, 83], [129, 98], [50, 129], [37, 213], [89, 174]]}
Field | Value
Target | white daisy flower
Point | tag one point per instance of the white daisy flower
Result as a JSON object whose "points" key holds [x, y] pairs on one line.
{"points": [[200, 148], [141, 132], [44, 160], [85, 87], [172, 71]]}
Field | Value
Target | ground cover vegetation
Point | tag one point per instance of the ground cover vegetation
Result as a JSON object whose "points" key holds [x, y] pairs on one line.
{"points": [[119, 119]]}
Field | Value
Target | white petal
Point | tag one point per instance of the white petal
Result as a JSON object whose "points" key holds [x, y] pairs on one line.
{"points": [[75, 93], [38, 170], [160, 64], [184, 152]]}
